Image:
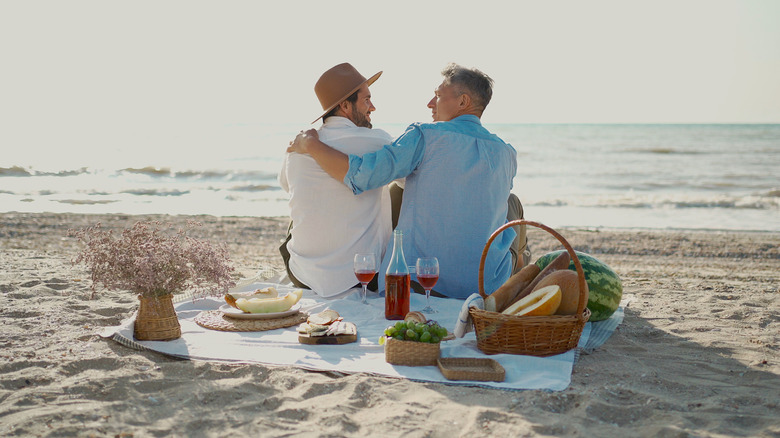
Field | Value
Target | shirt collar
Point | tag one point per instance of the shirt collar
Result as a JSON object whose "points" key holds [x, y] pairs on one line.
{"points": [[339, 121], [468, 118]]}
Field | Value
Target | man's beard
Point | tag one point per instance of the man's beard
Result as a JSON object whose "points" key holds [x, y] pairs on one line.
{"points": [[360, 119]]}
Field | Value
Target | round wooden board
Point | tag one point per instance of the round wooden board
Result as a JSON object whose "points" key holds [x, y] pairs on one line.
{"points": [[216, 320]]}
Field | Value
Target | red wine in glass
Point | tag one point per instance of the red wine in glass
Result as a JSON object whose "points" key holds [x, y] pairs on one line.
{"points": [[427, 271], [427, 281], [365, 277], [365, 269]]}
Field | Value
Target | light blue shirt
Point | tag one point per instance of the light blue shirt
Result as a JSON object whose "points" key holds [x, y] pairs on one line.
{"points": [[458, 180]]}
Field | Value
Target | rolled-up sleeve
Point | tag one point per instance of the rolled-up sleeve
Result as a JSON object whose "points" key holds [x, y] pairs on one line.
{"points": [[396, 160]]}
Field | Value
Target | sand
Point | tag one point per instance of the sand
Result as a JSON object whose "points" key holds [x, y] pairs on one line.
{"points": [[698, 353]]}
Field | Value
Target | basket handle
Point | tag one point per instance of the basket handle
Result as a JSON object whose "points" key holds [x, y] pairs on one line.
{"points": [[580, 273]]}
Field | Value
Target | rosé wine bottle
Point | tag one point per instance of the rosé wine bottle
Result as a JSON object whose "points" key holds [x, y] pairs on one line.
{"points": [[397, 281]]}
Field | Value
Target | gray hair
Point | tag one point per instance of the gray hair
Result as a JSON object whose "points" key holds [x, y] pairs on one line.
{"points": [[471, 81]]}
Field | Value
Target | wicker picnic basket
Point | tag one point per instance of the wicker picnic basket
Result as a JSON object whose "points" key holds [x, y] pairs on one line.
{"points": [[411, 353], [529, 335]]}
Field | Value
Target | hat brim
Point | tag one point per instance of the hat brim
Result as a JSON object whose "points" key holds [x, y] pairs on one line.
{"points": [[368, 82]]}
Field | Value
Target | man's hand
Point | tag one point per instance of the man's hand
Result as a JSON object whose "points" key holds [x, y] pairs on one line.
{"points": [[332, 161], [302, 141]]}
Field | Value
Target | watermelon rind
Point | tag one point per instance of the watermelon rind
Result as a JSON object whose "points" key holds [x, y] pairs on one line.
{"points": [[605, 288]]}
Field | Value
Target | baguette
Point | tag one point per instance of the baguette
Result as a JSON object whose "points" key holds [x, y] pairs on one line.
{"points": [[561, 262], [500, 299]]}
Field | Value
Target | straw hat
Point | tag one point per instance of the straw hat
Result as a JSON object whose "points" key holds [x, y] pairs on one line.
{"points": [[337, 84]]}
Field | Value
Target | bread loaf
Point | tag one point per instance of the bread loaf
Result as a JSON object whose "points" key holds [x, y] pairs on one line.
{"points": [[416, 317], [560, 262], [500, 299], [569, 282]]}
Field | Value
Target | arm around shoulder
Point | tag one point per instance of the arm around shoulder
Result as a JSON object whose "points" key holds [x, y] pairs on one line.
{"points": [[335, 163]]}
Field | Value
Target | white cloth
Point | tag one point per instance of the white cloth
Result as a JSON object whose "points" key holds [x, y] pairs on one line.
{"points": [[330, 223], [281, 346], [464, 324]]}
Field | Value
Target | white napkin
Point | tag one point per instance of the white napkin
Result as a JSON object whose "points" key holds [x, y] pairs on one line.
{"points": [[464, 323]]}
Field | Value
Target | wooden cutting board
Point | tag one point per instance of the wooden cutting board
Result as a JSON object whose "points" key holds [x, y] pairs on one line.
{"points": [[331, 339]]}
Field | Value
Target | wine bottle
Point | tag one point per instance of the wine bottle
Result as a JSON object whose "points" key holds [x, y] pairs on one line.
{"points": [[397, 281]]}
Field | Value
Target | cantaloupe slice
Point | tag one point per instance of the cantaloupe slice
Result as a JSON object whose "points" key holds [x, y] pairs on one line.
{"points": [[541, 302], [269, 305], [269, 292]]}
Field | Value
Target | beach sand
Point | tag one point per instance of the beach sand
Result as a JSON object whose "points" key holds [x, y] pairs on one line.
{"points": [[698, 353]]}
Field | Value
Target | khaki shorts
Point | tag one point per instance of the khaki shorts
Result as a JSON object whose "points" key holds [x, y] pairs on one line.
{"points": [[519, 246]]}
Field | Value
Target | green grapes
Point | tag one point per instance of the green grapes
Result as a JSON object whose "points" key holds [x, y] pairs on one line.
{"points": [[429, 332]]}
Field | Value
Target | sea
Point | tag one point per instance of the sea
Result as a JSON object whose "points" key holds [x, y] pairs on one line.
{"points": [[611, 176]]}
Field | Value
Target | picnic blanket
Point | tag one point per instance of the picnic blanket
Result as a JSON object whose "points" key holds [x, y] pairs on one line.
{"points": [[281, 346]]}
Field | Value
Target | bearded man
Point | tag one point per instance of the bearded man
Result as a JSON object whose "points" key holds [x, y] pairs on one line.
{"points": [[330, 224]]}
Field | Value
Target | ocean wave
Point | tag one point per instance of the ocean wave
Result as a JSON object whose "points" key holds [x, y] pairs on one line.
{"points": [[254, 188], [155, 192], [14, 171], [663, 151], [201, 174], [18, 171], [554, 203], [737, 183], [148, 170], [76, 172], [751, 202], [86, 201], [208, 174], [742, 204]]}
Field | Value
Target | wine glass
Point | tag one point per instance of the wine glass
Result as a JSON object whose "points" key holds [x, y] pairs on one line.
{"points": [[365, 269], [427, 270]]}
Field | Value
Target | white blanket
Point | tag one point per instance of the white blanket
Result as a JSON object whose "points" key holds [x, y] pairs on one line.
{"points": [[281, 346]]}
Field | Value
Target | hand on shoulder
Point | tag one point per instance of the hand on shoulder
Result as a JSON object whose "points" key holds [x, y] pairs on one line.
{"points": [[300, 144]]}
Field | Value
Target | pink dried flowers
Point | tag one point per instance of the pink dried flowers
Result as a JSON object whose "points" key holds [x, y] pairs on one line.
{"points": [[149, 262]]}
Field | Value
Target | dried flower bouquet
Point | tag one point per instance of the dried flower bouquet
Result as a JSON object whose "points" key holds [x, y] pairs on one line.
{"points": [[152, 263]]}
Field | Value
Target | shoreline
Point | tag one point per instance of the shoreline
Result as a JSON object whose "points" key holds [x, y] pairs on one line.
{"points": [[698, 352], [140, 216]]}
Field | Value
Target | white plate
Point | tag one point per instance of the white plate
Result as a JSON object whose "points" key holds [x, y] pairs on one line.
{"points": [[232, 312]]}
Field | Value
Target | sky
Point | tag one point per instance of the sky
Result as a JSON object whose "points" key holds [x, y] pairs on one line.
{"points": [[87, 72]]}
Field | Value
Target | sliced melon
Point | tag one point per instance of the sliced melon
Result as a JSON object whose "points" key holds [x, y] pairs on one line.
{"points": [[269, 292], [541, 302], [269, 305]]}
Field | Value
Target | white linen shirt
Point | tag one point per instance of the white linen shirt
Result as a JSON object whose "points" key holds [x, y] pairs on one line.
{"points": [[330, 223]]}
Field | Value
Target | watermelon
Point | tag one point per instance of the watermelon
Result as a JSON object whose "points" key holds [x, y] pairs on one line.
{"points": [[604, 286]]}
